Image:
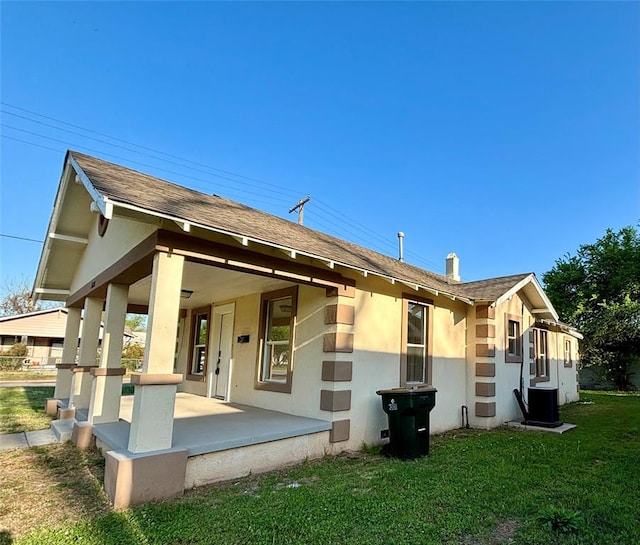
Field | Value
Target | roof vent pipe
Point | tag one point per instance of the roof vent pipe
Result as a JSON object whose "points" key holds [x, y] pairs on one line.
{"points": [[452, 267], [400, 248]]}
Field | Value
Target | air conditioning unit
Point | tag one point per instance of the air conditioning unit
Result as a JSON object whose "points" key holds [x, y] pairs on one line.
{"points": [[543, 407]]}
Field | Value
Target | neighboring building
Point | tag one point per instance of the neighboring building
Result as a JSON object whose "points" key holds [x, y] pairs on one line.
{"points": [[269, 315], [43, 333]]}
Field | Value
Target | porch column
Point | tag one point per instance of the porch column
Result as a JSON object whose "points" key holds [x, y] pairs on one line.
{"points": [[69, 352], [155, 388], [104, 405], [81, 383]]}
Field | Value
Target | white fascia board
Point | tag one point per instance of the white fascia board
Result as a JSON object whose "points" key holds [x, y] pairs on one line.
{"points": [[103, 204], [515, 289], [53, 222], [244, 240], [530, 279]]}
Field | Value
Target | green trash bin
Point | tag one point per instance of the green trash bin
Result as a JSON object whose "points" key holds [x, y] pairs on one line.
{"points": [[408, 413]]}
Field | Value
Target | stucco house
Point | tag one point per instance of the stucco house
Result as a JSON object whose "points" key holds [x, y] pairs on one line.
{"points": [[266, 340], [42, 331]]}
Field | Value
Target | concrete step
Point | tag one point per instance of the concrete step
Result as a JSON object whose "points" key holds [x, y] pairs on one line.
{"points": [[62, 429]]}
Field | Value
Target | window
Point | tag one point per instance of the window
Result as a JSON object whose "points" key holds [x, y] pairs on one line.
{"points": [[200, 319], [567, 353], [542, 361], [415, 363], [275, 357], [513, 339]]}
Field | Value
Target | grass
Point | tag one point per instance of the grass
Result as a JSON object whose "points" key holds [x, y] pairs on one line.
{"points": [[476, 488], [22, 409], [27, 375]]}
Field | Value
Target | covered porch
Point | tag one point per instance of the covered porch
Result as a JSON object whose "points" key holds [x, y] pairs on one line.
{"points": [[203, 425]]}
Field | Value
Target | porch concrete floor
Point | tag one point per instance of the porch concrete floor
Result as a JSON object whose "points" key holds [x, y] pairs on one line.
{"points": [[203, 425]]}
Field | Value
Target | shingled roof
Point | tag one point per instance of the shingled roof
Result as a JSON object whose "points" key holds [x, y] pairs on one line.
{"points": [[129, 187], [492, 288]]}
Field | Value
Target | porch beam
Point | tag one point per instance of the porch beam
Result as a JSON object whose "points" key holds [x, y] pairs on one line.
{"points": [[133, 266], [229, 257]]}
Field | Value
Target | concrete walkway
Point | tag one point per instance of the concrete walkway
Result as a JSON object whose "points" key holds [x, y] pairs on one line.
{"points": [[27, 439]]}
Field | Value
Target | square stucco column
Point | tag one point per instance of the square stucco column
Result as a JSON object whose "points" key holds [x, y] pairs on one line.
{"points": [[69, 351], [106, 390], [81, 382], [155, 388]]}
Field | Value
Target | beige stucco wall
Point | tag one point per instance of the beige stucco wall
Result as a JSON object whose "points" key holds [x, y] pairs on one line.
{"points": [[507, 377], [304, 399], [376, 360], [101, 252]]}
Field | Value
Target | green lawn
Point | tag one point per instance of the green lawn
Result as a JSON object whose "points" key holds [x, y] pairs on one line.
{"points": [[477, 487], [22, 408]]}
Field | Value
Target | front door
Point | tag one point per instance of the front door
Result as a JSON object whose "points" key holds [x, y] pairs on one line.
{"points": [[221, 360]]}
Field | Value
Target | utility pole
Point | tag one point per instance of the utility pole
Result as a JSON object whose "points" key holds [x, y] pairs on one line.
{"points": [[300, 208]]}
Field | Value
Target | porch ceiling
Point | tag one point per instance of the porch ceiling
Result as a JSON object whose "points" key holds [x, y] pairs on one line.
{"points": [[209, 284]]}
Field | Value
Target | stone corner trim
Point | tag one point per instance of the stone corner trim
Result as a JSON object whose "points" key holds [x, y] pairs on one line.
{"points": [[485, 389], [341, 291], [144, 379], [339, 314], [337, 342], [485, 350], [485, 331], [335, 400], [485, 369], [339, 431], [485, 409], [485, 311], [337, 371]]}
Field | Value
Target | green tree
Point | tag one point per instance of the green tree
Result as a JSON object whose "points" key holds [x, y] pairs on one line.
{"points": [[598, 291], [136, 322]]}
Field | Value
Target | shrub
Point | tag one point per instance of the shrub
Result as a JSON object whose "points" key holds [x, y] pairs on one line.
{"points": [[12, 358], [560, 520]]}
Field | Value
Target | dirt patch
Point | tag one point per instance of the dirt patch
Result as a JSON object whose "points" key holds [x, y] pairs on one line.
{"points": [[502, 534], [49, 486]]}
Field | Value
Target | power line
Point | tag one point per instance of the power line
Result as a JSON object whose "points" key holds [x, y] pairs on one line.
{"points": [[135, 145], [22, 238], [263, 186]]}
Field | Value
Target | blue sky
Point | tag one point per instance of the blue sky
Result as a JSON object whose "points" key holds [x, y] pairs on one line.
{"points": [[506, 132]]}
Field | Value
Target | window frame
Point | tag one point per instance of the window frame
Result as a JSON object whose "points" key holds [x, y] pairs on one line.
{"points": [[265, 299], [195, 314], [568, 348], [404, 339], [508, 356], [541, 334]]}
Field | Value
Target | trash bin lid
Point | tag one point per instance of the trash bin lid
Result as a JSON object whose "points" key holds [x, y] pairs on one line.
{"points": [[408, 390]]}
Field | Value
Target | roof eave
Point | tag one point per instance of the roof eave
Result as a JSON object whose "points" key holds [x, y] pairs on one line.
{"points": [[291, 251]]}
